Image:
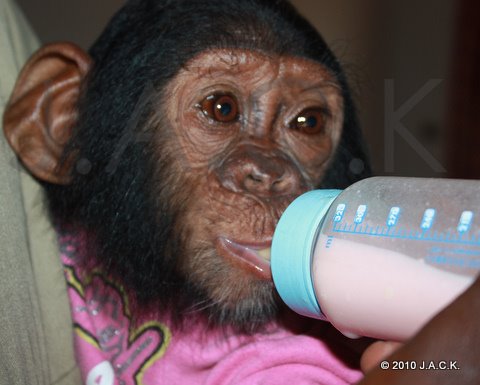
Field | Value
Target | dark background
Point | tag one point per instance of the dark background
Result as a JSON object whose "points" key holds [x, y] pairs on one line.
{"points": [[390, 50]]}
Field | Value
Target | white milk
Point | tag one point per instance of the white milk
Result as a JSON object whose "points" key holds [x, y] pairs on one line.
{"points": [[369, 291]]}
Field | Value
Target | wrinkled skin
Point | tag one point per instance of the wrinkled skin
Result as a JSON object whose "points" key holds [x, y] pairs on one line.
{"points": [[248, 170]]}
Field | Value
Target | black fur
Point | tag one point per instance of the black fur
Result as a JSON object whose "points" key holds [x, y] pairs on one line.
{"points": [[142, 48]]}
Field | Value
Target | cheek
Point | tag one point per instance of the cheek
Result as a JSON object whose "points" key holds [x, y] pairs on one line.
{"points": [[204, 214], [313, 152], [312, 155]]}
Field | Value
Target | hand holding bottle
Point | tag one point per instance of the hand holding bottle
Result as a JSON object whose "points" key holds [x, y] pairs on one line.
{"points": [[445, 351]]}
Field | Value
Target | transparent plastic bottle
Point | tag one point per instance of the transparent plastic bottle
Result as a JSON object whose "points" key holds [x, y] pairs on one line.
{"points": [[380, 258]]}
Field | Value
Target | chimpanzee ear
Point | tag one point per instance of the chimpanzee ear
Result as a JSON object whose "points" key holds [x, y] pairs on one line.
{"points": [[42, 109]]}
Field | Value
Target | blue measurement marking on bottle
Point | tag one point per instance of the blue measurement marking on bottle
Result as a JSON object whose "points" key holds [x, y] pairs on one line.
{"points": [[427, 220], [339, 212], [465, 222], [329, 242], [403, 233], [360, 214], [391, 229], [393, 216]]}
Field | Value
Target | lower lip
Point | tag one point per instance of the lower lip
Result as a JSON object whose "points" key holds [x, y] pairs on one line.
{"points": [[245, 257]]}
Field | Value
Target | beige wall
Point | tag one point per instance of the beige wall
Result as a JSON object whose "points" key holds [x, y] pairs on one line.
{"points": [[407, 41]]}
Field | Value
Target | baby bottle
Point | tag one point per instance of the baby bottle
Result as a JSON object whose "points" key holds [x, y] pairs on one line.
{"points": [[380, 258]]}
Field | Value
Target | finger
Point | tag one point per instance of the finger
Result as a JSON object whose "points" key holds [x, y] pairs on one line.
{"points": [[376, 352]]}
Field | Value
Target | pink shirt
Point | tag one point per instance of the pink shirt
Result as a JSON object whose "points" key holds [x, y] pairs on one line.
{"points": [[111, 350]]}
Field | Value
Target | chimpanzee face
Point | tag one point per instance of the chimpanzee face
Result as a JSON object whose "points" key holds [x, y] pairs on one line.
{"points": [[250, 133]]}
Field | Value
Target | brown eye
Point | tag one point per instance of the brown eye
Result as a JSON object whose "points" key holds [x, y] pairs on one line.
{"points": [[310, 121], [220, 107]]}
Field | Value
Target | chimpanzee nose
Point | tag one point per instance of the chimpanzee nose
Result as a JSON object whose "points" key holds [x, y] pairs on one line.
{"points": [[261, 174], [267, 178]]}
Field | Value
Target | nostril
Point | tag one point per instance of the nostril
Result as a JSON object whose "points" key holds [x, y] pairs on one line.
{"points": [[258, 178], [257, 174], [282, 184], [267, 183], [257, 183]]}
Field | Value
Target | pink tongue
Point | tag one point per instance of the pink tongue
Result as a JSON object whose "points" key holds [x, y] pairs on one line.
{"points": [[247, 254]]}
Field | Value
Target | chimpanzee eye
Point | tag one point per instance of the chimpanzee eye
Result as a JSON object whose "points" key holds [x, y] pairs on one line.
{"points": [[220, 107], [310, 121]]}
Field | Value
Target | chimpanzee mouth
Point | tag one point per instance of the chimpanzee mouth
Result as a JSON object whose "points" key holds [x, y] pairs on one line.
{"points": [[255, 258]]}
